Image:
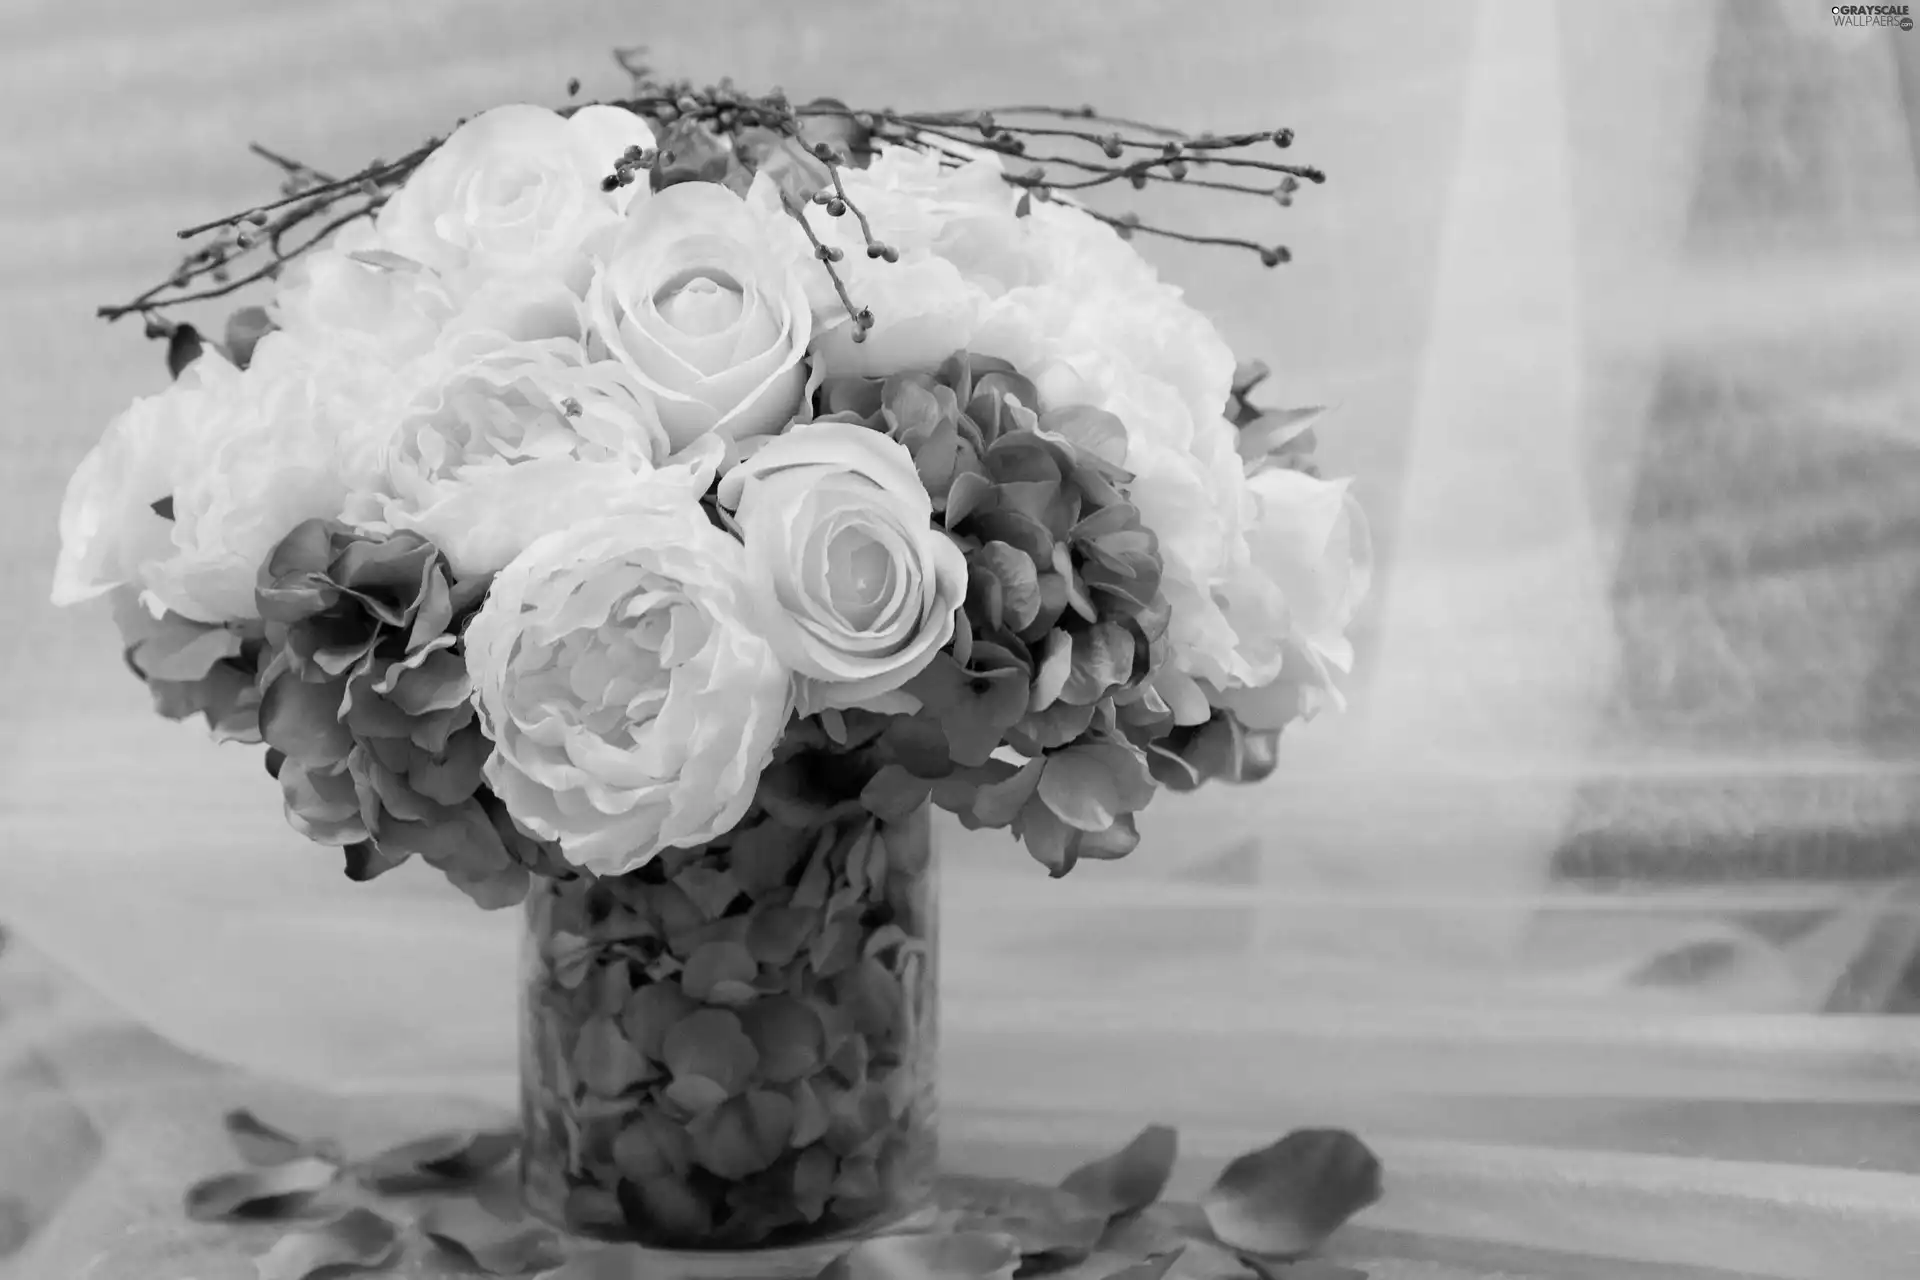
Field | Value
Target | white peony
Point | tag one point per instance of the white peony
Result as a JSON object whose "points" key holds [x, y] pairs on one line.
{"points": [[703, 297], [631, 700], [239, 458], [111, 535], [515, 190], [281, 451], [503, 440], [854, 586]]}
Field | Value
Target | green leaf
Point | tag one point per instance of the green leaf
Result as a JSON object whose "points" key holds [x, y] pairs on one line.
{"points": [[496, 1245], [1045, 1222], [245, 328], [441, 1161], [184, 346], [1130, 1179], [711, 1044], [787, 1035], [969, 1255], [1275, 431], [358, 1238], [259, 1143], [744, 1135], [1283, 1200], [276, 1191], [720, 973]]}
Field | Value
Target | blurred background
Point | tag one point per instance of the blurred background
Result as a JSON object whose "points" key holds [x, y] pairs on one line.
{"points": [[1616, 852]]}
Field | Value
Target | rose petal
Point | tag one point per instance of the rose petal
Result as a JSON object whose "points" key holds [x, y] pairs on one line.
{"points": [[358, 1238], [1285, 1199], [272, 1192]]}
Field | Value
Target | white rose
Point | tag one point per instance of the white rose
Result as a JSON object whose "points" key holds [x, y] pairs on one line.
{"points": [[702, 297], [279, 452], [631, 702], [478, 461], [352, 292], [515, 190], [960, 247], [110, 533], [1310, 541], [855, 588]]}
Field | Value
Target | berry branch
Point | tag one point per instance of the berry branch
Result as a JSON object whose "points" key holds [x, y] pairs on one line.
{"points": [[256, 243]]}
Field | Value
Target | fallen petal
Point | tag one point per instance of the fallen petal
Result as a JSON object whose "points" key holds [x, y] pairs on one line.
{"points": [[1285, 1199], [962, 1255], [1131, 1178], [259, 1143], [442, 1160], [273, 1192], [497, 1245], [358, 1238]]}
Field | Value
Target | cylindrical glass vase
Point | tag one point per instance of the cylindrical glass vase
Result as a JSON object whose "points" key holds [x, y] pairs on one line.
{"points": [[732, 1048]]}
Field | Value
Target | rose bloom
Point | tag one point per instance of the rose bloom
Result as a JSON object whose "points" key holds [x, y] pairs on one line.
{"points": [[856, 589], [515, 190], [351, 292], [631, 700], [960, 245], [702, 297], [1309, 572], [481, 460]]}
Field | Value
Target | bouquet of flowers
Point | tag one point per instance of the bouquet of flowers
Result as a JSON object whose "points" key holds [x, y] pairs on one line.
{"points": [[656, 505]]}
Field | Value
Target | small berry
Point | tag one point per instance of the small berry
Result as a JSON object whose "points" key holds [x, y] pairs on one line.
{"points": [[1283, 137], [890, 254], [836, 207], [573, 87]]}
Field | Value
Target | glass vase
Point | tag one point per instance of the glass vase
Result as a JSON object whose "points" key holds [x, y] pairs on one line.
{"points": [[732, 1048]]}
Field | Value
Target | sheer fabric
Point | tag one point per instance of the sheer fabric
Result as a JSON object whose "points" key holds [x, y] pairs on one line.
{"points": [[1596, 911]]}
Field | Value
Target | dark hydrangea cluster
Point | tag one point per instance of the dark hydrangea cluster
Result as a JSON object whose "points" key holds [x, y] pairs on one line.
{"points": [[194, 668], [364, 704], [1063, 629]]}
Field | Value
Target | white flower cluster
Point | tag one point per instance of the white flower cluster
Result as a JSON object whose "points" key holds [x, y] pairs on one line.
{"points": [[546, 378]]}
